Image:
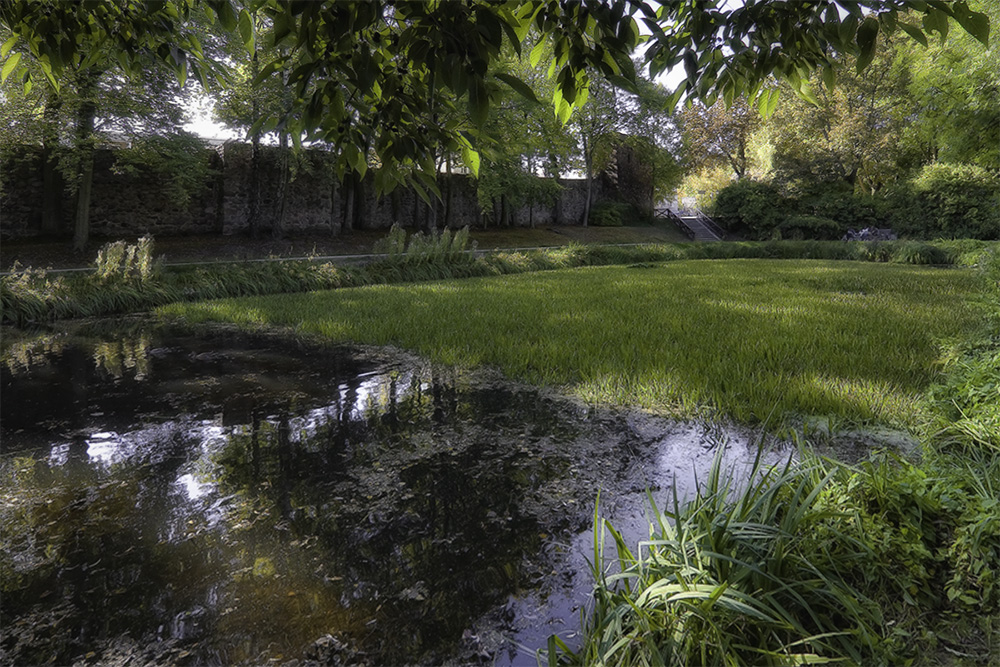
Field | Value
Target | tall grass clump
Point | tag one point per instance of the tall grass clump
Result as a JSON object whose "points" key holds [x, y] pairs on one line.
{"points": [[120, 261], [731, 577], [423, 256], [966, 404], [811, 563]]}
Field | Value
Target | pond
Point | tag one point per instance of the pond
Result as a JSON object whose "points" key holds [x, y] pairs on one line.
{"points": [[209, 496]]}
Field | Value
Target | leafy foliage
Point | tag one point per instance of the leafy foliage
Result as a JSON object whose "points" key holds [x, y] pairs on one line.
{"points": [[416, 58], [957, 201], [610, 214], [750, 205], [719, 134]]}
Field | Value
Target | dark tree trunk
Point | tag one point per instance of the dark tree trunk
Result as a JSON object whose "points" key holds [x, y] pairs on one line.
{"points": [[335, 208], [51, 179], [278, 229], [432, 215], [220, 194], [349, 194], [589, 165], [448, 197], [85, 145], [253, 212], [360, 203]]}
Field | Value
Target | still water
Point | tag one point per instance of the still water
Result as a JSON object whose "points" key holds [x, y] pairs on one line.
{"points": [[214, 497]]}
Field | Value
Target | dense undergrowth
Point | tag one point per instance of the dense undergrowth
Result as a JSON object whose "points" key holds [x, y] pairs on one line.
{"points": [[127, 280], [891, 562]]}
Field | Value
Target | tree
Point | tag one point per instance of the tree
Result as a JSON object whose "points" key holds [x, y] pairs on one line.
{"points": [[101, 107], [521, 140], [956, 88], [84, 51], [854, 134], [369, 73], [719, 134], [248, 100]]}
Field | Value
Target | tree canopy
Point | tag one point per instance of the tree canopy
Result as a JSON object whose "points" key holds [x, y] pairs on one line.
{"points": [[368, 76]]}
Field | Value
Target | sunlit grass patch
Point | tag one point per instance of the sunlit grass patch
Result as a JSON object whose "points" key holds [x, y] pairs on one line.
{"points": [[744, 337]]}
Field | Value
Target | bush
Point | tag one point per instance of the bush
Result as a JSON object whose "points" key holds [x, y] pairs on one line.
{"points": [[810, 227], [949, 201], [844, 207], [610, 214], [751, 206]]}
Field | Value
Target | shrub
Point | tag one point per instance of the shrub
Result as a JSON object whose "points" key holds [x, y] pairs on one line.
{"points": [[849, 210], [810, 227], [950, 201], [751, 206], [610, 214]]}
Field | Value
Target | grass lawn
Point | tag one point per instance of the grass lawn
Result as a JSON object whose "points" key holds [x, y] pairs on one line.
{"points": [[855, 341]]}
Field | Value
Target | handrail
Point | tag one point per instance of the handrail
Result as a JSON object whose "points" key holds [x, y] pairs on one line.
{"points": [[711, 224], [672, 217]]}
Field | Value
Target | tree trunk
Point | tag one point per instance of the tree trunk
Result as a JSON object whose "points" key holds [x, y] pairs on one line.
{"points": [[449, 184], [432, 215], [51, 180], [589, 165], [348, 223], [278, 228], [85, 147], [334, 208], [253, 211]]}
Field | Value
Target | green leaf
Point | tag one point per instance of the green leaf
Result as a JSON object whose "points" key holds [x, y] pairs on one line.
{"points": [[7, 46], [622, 83], [936, 21], [976, 24], [522, 89], [867, 39], [536, 53], [914, 32], [471, 159], [226, 16], [479, 102], [246, 30], [9, 66], [829, 77], [805, 92], [768, 102], [267, 71]]}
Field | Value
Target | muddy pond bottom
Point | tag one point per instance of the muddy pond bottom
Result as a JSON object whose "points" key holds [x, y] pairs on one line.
{"points": [[216, 498]]}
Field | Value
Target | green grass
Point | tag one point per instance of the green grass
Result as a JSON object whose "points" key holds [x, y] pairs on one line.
{"points": [[744, 337], [128, 281]]}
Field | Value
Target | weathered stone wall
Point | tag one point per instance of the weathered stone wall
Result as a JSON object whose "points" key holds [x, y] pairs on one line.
{"points": [[131, 204]]}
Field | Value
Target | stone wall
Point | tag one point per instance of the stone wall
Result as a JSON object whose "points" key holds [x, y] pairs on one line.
{"points": [[131, 204]]}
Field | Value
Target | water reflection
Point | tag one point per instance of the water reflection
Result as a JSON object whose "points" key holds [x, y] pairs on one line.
{"points": [[222, 499]]}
